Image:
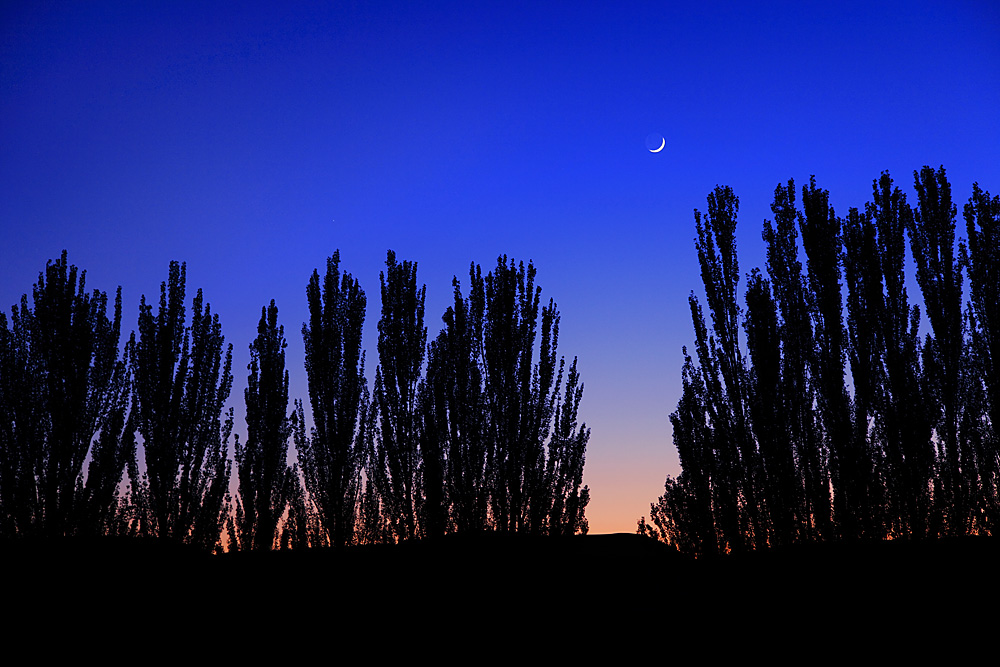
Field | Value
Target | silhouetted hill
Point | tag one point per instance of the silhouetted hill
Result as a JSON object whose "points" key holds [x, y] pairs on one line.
{"points": [[494, 580]]}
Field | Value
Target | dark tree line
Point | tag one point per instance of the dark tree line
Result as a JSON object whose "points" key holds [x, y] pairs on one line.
{"points": [[467, 433], [840, 425], [502, 426], [182, 379], [64, 398], [483, 438], [267, 484]]}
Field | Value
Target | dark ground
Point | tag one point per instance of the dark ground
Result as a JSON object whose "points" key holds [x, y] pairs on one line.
{"points": [[557, 587]]}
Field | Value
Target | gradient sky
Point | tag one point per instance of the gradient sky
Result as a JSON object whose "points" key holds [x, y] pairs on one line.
{"points": [[251, 141]]}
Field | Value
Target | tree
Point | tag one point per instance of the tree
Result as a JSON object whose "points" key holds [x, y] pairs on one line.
{"points": [[874, 454], [781, 493], [265, 480], [865, 347], [331, 456], [820, 228], [564, 469], [902, 428], [396, 466], [502, 425], [792, 296], [64, 397], [673, 520], [684, 515], [982, 259], [453, 410], [722, 365], [182, 381], [932, 240], [531, 475]]}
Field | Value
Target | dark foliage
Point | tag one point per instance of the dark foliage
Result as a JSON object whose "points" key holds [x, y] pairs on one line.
{"points": [[266, 482], [183, 377], [774, 449], [483, 437], [64, 399], [504, 426], [397, 466], [453, 408], [332, 455], [982, 386]]}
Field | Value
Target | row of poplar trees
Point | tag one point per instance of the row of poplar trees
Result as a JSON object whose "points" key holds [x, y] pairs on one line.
{"points": [[467, 433], [831, 427]]}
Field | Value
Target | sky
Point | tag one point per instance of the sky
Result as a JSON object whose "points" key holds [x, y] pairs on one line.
{"points": [[252, 140]]}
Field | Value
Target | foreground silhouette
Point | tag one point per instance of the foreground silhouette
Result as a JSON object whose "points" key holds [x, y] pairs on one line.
{"points": [[774, 449], [483, 436], [467, 587]]}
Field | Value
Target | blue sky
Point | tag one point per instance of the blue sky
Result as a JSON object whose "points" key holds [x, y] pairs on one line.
{"points": [[251, 141]]}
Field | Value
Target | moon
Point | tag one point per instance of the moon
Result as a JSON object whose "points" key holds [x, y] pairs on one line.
{"points": [[655, 142]]}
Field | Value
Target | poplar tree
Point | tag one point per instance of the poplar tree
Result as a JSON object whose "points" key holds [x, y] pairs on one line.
{"points": [[865, 347], [64, 396], [782, 495], [982, 259], [397, 468], [902, 425], [332, 455], [722, 365], [821, 240], [516, 455], [932, 241], [265, 480], [684, 516], [792, 297], [536, 474], [565, 513], [182, 380], [454, 413], [914, 453], [505, 426]]}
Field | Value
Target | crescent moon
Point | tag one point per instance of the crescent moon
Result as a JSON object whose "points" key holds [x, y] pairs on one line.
{"points": [[660, 148]]}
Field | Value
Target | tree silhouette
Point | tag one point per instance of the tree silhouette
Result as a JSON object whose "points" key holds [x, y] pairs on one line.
{"points": [[932, 240], [901, 436], [564, 468], [488, 439], [528, 479], [982, 258], [453, 409], [782, 492], [64, 397], [816, 462], [331, 456], [396, 466], [504, 426], [812, 483], [861, 459], [821, 240], [265, 479], [182, 381], [724, 372]]}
